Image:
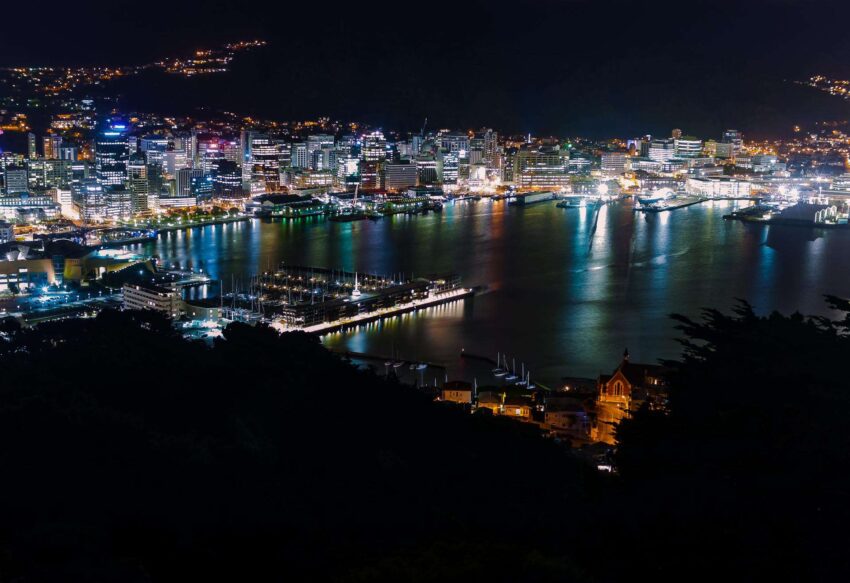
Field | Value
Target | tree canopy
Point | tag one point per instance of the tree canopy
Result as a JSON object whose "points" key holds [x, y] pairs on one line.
{"points": [[130, 454]]}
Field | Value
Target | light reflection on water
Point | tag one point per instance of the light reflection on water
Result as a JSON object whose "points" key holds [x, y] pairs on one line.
{"points": [[566, 289]]}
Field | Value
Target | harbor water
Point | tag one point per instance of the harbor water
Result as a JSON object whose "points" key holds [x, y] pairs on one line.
{"points": [[564, 291]]}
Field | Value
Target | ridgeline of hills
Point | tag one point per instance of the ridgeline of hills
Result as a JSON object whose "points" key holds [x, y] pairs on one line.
{"points": [[591, 102], [587, 103]]}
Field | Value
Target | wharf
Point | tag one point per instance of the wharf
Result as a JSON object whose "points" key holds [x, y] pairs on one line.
{"points": [[192, 224], [690, 201], [368, 317], [784, 222], [673, 205]]}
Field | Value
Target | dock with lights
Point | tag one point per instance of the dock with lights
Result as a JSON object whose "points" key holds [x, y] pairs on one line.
{"points": [[320, 301], [362, 318]]}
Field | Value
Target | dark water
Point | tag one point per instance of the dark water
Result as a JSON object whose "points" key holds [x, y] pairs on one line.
{"points": [[566, 290]]}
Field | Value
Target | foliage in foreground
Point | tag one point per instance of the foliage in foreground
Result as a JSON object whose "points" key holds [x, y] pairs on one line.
{"points": [[128, 454]]}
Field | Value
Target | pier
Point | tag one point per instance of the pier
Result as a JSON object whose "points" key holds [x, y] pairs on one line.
{"points": [[689, 201], [382, 313]]}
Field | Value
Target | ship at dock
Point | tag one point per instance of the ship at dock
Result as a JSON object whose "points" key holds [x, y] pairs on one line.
{"points": [[574, 202], [530, 198], [655, 197]]}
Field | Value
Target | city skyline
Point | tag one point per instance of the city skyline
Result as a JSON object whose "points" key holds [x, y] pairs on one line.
{"points": [[534, 291]]}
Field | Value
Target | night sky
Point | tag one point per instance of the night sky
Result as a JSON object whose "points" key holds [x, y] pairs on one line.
{"points": [[545, 66]]}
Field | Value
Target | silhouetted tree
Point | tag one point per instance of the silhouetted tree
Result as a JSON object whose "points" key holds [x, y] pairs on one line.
{"points": [[749, 473]]}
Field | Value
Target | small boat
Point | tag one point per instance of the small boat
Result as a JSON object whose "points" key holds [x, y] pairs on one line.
{"points": [[512, 376], [498, 368], [572, 202], [421, 366], [397, 364], [348, 217], [522, 382]]}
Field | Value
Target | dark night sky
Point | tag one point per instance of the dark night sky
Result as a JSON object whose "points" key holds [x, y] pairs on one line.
{"points": [[579, 66]]}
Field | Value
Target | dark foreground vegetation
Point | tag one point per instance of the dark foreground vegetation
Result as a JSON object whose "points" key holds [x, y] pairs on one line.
{"points": [[128, 454]]}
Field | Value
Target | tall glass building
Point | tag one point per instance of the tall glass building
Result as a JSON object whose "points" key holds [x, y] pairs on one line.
{"points": [[111, 155]]}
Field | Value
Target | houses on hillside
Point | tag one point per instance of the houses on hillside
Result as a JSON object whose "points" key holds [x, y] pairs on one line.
{"points": [[583, 411]]}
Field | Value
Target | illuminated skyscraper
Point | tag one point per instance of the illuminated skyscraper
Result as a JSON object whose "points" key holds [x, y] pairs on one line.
{"points": [[374, 147], [319, 142], [300, 157], [111, 154], [735, 138], [260, 162], [662, 150], [687, 147], [613, 163], [153, 147], [184, 181], [90, 201], [227, 181], [137, 170], [31, 146], [51, 145]]}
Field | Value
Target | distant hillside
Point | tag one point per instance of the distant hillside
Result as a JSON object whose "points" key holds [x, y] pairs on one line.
{"points": [[262, 84]]}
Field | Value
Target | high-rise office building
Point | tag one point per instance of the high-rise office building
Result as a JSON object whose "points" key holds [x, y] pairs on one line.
{"points": [[735, 138], [44, 174], [90, 200], [172, 162], [184, 181], [399, 175], [450, 166], [662, 150], [613, 163], [374, 147], [299, 155], [318, 142], [111, 154], [15, 180], [137, 171], [370, 178], [227, 181], [51, 144], [260, 163], [428, 169], [119, 201], [31, 146], [491, 150], [455, 142], [201, 187], [687, 147], [153, 147], [540, 169]]}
